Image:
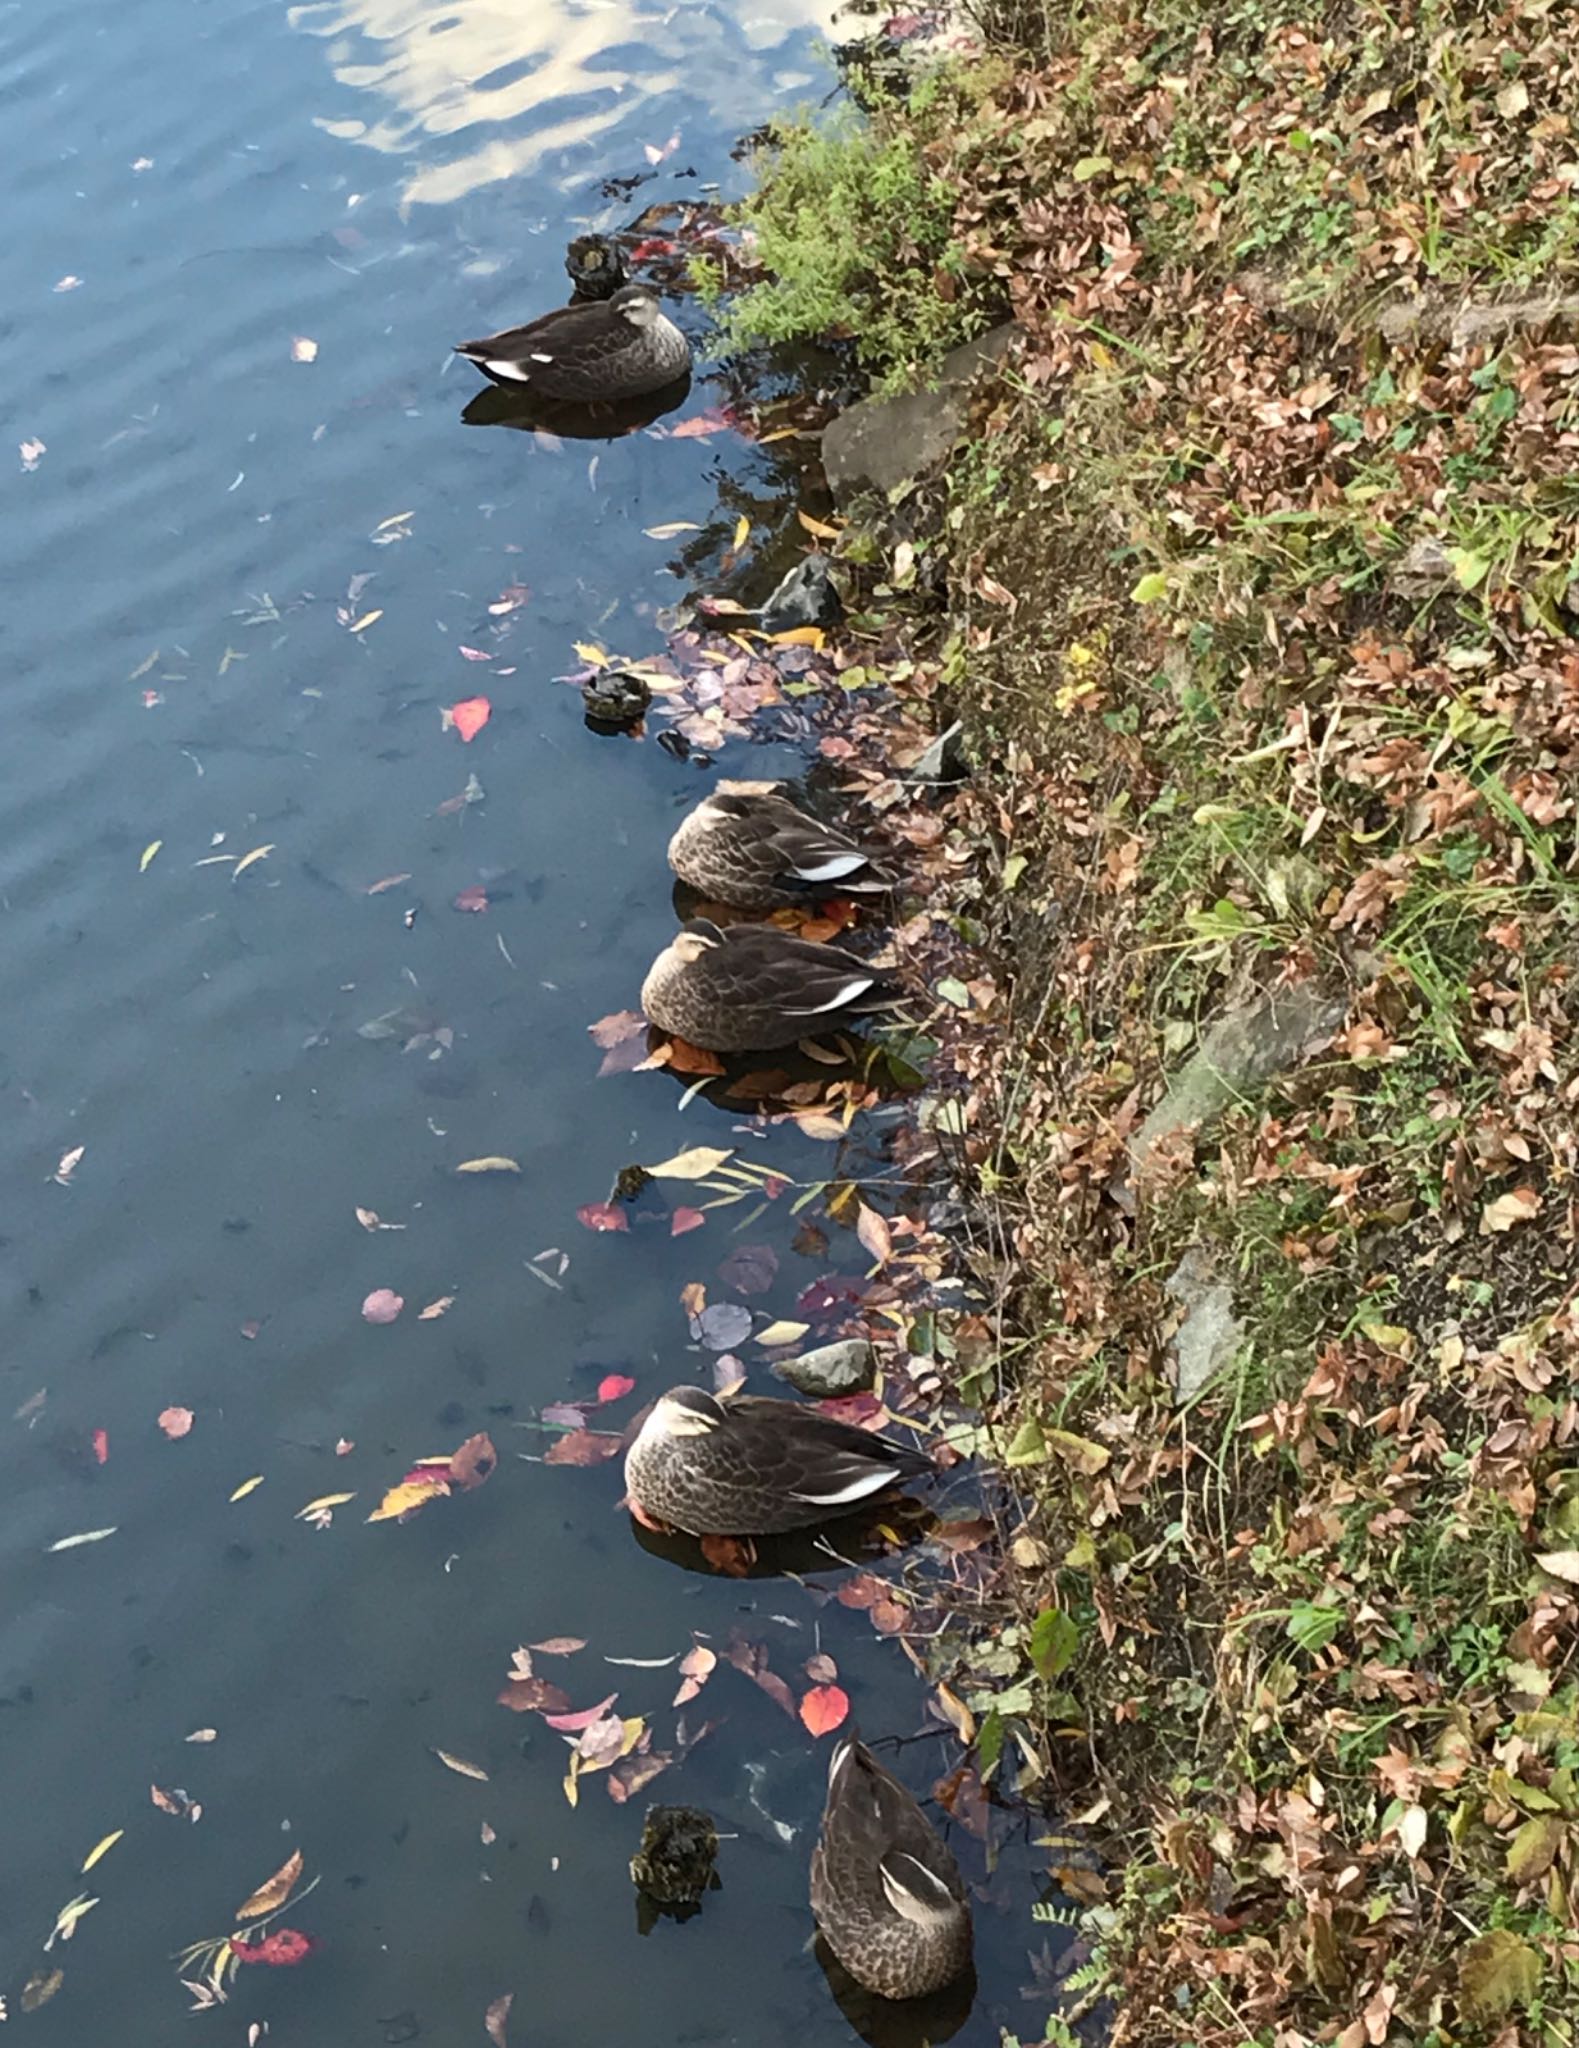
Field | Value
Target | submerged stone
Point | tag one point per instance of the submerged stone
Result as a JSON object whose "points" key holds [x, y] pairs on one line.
{"points": [[674, 1865], [807, 596], [832, 1369]]}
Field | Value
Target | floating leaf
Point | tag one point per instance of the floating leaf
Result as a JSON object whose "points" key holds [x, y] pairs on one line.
{"points": [[303, 349], [474, 1462], [247, 1486], [670, 528], [408, 1496], [695, 1164], [468, 717], [40, 1988], [603, 1216], [616, 1028], [435, 1309], [66, 1920], [459, 1765], [175, 1422], [584, 1717], [824, 1708], [492, 1162], [582, 1447], [69, 1162], [251, 859], [281, 1949], [750, 1268], [614, 1386], [683, 1220], [496, 2018], [149, 851], [271, 1895], [367, 619], [872, 1229], [722, 1326], [382, 1305], [561, 1646], [782, 1333], [322, 1505], [474, 898], [83, 1536], [100, 1849], [533, 1696], [696, 1667]]}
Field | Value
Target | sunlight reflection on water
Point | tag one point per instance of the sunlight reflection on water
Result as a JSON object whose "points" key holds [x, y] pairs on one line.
{"points": [[483, 70]]}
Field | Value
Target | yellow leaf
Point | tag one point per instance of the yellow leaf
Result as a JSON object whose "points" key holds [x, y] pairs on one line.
{"points": [[572, 1789], [493, 1162], [778, 434], [248, 860], [633, 1728], [798, 636], [816, 527], [955, 1711], [149, 851], [591, 653], [694, 1164], [324, 1500], [68, 1916], [367, 619], [1086, 1457], [273, 1893], [460, 1765], [247, 1486], [782, 1333], [408, 1495], [670, 528], [742, 533], [102, 1849]]}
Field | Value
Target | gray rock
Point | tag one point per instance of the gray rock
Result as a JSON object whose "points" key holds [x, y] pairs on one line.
{"points": [[1239, 1054], [945, 760], [832, 1369], [1210, 1335], [880, 443]]}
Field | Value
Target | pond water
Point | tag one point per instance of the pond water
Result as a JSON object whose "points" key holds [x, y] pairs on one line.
{"points": [[248, 539]]}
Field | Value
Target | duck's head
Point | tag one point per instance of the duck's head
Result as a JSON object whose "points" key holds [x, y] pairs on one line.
{"points": [[633, 302], [697, 938], [685, 1412]]}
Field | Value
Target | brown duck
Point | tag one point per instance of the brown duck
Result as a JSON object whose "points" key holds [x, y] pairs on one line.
{"points": [[748, 845], [887, 1893], [589, 351], [750, 987]]}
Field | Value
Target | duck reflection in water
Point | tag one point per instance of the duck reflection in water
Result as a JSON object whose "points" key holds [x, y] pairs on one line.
{"points": [[898, 2022], [499, 405], [860, 1539]]}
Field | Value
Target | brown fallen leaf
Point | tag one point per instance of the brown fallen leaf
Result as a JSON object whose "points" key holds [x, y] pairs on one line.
{"points": [[270, 1896], [435, 1309], [474, 1461], [872, 1229], [497, 2018], [534, 1696], [582, 1447], [732, 1555], [561, 1646]]}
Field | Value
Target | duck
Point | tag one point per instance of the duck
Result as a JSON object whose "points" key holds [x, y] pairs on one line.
{"points": [[586, 352], [885, 1890], [748, 845], [747, 1465], [751, 987]]}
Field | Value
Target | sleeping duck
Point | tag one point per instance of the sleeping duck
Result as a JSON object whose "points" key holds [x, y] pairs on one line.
{"points": [[749, 987], [748, 845], [589, 351]]}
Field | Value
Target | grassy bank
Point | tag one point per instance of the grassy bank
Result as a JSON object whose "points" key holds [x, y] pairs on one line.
{"points": [[1258, 583]]}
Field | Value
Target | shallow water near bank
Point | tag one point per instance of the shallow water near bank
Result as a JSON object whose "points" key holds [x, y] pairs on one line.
{"points": [[251, 543]]}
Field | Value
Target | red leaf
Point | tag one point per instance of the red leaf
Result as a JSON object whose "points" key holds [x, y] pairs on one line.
{"points": [[603, 1216], [823, 1708], [614, 1386], [282, 1948], [469, 716], [572, 1724], [175, 1422], [475, 897], [583, 1447], [101, 1445], [474, 1461], [382, 1305], [685, 1219]]}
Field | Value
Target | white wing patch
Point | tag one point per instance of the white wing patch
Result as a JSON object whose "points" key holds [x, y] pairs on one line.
{"points": [[856, 1488], [846, 992], [830, 869], [499, 368], [914, 1892]]}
